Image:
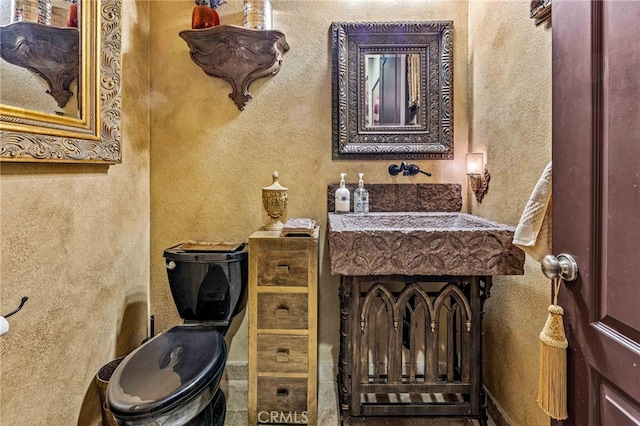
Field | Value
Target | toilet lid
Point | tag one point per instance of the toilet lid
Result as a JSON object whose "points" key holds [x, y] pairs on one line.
{"points": [[166, 371]]}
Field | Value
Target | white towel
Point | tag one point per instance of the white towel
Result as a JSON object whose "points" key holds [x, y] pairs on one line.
{"points": [[4, 325], [533, 233]]}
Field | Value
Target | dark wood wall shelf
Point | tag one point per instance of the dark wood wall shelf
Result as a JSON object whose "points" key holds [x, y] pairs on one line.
{"points": [[236, 54], [51, 52]]}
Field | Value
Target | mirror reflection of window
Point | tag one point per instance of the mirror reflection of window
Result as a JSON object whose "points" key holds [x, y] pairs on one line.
{"points": [[392, 89], [47, 12]]}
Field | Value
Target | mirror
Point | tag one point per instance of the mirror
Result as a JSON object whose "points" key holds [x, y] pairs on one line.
{"points": [[392, 90], [60, 97], [40, 48]]}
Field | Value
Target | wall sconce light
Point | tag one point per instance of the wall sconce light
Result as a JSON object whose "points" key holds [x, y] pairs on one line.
{"points": [[478, 174]]}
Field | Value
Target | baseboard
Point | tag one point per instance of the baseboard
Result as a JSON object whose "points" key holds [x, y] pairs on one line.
{"points": [[496, 412], [327, 372]]}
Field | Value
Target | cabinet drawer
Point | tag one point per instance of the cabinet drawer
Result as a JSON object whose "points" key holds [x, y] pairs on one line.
{"points": [[282, 395], [282, 310], [283, 268], [283, 354]]}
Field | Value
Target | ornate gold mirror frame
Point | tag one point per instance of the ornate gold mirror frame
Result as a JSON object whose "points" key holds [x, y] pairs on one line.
{"points": [[425, 52], [94, 137]]}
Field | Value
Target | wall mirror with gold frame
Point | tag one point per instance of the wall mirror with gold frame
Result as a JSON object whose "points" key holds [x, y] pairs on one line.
{"points": [[392, 90], [55, 110]]}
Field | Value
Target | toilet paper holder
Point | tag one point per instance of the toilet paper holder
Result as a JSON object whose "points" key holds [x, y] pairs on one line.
{"points": [[16, 310]]}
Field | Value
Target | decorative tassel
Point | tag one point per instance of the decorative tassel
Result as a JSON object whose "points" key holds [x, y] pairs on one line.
{"points": [[552, 384]]}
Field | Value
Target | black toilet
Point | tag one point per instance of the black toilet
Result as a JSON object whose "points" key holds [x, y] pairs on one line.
{"points": [[173, 379]]}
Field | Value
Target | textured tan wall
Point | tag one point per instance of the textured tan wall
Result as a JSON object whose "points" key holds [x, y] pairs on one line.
{"points": [[510, 84], [75, 240], [209, 161]]}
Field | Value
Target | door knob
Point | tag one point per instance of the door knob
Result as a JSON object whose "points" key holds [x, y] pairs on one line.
{"points": [[563, 266]]}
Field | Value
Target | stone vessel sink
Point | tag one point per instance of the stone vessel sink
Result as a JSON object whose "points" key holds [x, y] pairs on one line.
{"points": [[421, 243]]}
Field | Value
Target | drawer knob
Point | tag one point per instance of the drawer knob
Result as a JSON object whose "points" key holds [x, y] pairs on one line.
{"points": [[282, 395], [282, 312], [282, 269], [282, 355]]}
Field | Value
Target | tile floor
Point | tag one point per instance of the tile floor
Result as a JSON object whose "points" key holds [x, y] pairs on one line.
{"points": [[236, 393]]}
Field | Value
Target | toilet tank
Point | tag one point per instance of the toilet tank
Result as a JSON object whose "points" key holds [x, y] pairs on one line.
{"points": [[208, 281]]}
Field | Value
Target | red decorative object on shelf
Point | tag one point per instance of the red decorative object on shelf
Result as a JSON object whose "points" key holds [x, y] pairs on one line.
{"points": [[204, 14], [72, 17]]}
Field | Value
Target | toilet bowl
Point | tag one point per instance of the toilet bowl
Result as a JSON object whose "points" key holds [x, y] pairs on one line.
{"points": [[173, 378]]}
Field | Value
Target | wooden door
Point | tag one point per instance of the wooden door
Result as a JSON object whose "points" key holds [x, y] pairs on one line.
{"points": [[596, 203]]}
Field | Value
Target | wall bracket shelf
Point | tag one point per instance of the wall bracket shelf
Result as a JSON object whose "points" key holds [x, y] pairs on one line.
{"points": [[236, 54], [51, 52]]}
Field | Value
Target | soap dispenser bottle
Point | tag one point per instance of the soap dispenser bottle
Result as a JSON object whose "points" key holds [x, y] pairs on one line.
{"points": [[361, 198], [343, 197]]}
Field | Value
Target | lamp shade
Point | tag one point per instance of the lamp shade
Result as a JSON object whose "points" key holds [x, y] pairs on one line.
{"points": [[475, 163]]}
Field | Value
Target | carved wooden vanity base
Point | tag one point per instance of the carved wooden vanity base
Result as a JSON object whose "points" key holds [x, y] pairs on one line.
{"points": [[411, 346]]}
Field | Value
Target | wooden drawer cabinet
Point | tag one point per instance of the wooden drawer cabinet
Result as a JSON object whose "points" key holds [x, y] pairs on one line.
{"points": [[283, 330]]}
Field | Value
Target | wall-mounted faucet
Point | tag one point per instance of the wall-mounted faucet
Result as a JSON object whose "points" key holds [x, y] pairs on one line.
{"points": [[406, 169]]}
